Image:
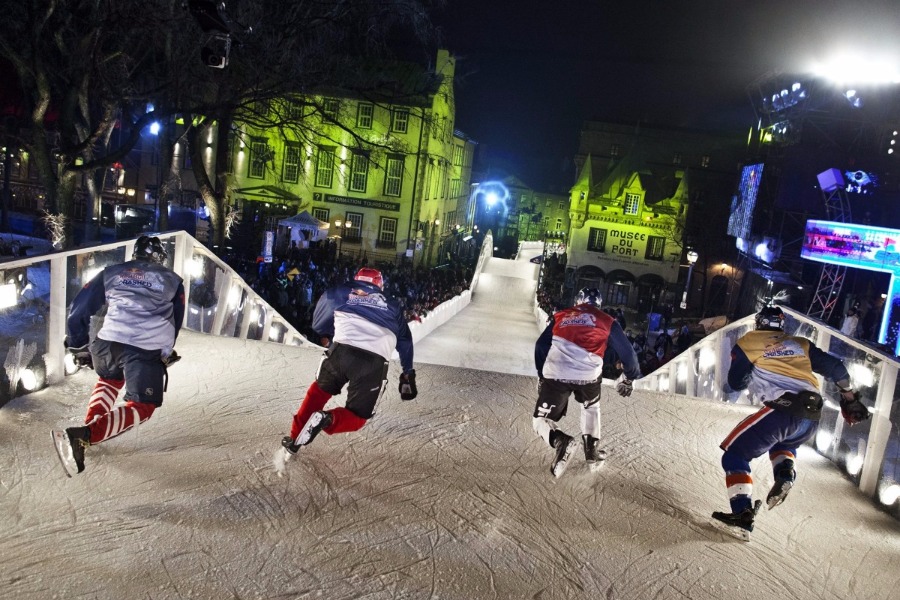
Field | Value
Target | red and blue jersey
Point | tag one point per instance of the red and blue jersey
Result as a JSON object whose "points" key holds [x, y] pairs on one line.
{"points": [[573, 345]]}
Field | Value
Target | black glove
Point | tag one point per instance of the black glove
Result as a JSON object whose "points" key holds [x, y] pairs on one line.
{"points": [[171, 359], [81, 355], [408, 389], [624, 386], [852, 409]]}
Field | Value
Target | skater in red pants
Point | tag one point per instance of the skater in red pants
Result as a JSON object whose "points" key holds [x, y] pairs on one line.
{"points": [[364, 327]]}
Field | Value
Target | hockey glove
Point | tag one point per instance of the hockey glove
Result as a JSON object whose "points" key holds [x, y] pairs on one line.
{"points": [[624, 386], [171, 359], [852, 409], [81, 355], [408, 389]]}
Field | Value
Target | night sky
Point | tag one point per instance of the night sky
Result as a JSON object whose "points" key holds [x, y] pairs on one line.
{"points": [[529, 73]]}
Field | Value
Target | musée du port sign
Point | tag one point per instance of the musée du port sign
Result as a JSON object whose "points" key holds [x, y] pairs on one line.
{"points": [[361, 202]]}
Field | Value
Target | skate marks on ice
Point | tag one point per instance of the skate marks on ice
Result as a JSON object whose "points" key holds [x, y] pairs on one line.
{"points": [[446, 496]]}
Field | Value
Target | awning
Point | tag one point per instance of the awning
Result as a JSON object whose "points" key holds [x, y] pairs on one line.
{"points": [[619, 276], [305, 222]]}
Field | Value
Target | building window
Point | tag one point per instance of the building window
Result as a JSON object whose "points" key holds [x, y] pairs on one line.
{"points": [[454, 188], [615, 150], [704, 160], [559, 223], [322, 214], [290, 171], [185, 150], [632, 204], [294, 112], [353, 227], [259, 155], [229, 157], [562, 205], [597, 240], [676, 160], [330, 107], [387, 233], [325, 166], [359, 172], [655, 247], [393, 176], [400, 120], [364, 114], [458, 155]]}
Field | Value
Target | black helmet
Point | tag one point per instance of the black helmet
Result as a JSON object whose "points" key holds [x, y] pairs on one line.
{"points": [[770, 318], [149, 248], [589, 296]]}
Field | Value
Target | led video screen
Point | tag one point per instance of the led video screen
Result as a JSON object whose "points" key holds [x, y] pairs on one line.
{"points": [[744, 201]]}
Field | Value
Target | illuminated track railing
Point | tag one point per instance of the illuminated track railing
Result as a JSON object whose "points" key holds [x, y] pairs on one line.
{"points": [[868, 453], [37, 292]]}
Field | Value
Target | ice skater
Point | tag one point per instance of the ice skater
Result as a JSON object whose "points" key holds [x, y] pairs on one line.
{"points": [[364, 327], [778, 369], [144, 303], [569, 360]]}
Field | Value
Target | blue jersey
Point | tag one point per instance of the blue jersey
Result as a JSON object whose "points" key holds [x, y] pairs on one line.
{"points": [[358, 314], [145, 306]]}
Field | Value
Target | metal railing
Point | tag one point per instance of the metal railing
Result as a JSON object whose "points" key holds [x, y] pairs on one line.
{"points": [[868, 453], [37, 292]]}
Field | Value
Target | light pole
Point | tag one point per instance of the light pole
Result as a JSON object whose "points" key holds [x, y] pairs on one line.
{"points": [[338, 224], [692, 259]]}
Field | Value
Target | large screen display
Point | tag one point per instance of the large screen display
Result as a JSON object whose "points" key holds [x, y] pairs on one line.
{"points": [[744, 201], [861, 247]]}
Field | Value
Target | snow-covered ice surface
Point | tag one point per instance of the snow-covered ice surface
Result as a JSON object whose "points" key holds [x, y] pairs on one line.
{"points": [[448, 496]]}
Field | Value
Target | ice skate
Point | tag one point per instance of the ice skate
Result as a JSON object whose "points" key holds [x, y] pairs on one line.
{"points": [[784, 481], [317, 422], [593, 455], [740, 524], [70, 445], [778, 493], [565, 446]]}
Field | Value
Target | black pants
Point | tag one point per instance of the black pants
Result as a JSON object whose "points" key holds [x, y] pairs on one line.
{"points": [[142, 370], [365, 371]]}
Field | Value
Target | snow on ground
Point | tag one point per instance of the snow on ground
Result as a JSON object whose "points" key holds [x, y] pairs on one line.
{"points": [[448, 496]]}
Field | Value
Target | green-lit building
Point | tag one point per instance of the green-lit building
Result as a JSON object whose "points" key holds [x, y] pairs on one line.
{"points": [[631, 209], [385, 169]]}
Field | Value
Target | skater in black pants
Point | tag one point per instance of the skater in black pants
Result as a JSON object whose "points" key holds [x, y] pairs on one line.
{"points": [[569, 360], [144, 303]]}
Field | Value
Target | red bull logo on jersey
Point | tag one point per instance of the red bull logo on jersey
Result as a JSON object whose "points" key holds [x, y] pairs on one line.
{"points": [[134, 278], [783, 349], [361, 298], [582, 319]]}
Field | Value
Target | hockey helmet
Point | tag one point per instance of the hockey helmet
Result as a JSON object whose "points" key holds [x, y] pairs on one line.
{"points": [[370, 275], [149, 248], [770, 318], [589, 296]]}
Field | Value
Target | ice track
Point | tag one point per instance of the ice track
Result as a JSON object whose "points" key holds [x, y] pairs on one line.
{"points": [[448, 496]]}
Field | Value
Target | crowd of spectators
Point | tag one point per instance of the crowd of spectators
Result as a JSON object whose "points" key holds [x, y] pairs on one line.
{"points": [[292, 284]]}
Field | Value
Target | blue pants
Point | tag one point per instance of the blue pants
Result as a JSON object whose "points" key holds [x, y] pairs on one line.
{"points": [[768, 430]]}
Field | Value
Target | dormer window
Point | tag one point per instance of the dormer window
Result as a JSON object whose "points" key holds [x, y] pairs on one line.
{"points": [[632, 204]]}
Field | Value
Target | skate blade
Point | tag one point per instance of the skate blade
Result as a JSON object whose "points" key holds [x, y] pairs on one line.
{"points": [[63, 451], [738, 533], [595, 467], [776, 500], [279, 461], [560, 467]]}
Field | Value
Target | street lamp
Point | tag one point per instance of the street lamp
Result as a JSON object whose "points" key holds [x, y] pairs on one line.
{"points": [[692, 259], [338, 224]]}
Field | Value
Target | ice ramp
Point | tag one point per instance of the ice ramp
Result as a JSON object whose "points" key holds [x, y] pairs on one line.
{"points": [[448, 496], [497, 330]]}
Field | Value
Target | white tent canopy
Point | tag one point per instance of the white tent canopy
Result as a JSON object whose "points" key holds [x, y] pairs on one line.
{"points": [[302, 228]]}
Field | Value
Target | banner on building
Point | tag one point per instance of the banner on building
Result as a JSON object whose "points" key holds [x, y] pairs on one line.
{"points": [[361, 202]]}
